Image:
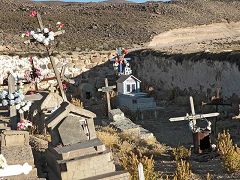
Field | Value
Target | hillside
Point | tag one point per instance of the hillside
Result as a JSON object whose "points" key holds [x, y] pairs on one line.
{"points": [[98, 26]]}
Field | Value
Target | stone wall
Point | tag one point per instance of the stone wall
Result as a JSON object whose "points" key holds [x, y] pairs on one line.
{"points": [[78, 63], [188, 74]]}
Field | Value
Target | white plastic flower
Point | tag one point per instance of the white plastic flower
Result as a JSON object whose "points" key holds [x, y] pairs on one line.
{"points": [[46, 30]]}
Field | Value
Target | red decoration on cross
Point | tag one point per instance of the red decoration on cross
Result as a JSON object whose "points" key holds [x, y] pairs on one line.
{"points": [[33, 13]]}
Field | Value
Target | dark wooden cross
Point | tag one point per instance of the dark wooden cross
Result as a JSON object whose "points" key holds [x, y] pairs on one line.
{"points": [[216, 101], [106, 90], [52, 60]]}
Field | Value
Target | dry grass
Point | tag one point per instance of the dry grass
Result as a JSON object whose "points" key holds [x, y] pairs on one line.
{"points": [[77, 102], [228, 152], [130, 163], [181, 153], [183, 171], [130, 150]]}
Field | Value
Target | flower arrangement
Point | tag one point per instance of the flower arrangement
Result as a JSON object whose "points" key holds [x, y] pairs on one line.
{"points": [[3, 162], [16, 98], [34, 75], [120, 63], [24, 125], [44, 36]]}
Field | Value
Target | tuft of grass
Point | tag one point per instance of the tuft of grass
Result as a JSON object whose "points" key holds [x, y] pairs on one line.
{"points": [[130, 150], [183, 171], [77, 102], [228, 152], [181, 153], [108, 138], [130, 163]]}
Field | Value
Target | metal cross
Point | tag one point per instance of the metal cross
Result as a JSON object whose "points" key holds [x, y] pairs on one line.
{"points": [[106, 90]]}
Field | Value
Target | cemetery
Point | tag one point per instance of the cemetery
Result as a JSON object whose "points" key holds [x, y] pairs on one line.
{"points": [[116, 115]]}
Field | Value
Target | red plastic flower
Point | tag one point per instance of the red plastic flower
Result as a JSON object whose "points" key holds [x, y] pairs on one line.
{"points": [[27, 34], [33, 13]]}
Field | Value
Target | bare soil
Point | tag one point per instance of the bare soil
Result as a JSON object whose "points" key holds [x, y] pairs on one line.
{"points": [[104, 26]]}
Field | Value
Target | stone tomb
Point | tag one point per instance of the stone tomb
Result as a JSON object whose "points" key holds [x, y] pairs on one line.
{"points": [[16, 149], [75, 152]]}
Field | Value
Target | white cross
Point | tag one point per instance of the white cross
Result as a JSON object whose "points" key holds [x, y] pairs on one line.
{"points": [[193, 116]]}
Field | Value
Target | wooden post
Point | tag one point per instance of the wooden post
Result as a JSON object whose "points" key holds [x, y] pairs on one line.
{"points": [[12, 109], [108, 95], [140, 172]]}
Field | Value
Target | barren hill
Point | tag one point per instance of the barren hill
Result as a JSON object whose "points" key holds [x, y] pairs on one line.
{"points": [[108, 25]]}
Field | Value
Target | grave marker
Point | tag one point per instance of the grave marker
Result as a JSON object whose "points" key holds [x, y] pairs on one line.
{"points": [[52, 60], [216, 101], [12, 108], [198, 133], [106, 90]]}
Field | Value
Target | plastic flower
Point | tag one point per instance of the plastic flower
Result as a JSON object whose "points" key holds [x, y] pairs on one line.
{"points": [[33, 13]]}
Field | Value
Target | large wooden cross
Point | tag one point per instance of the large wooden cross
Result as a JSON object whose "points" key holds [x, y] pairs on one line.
{"points": [[52, 60], [106, 90], [193, 116]]}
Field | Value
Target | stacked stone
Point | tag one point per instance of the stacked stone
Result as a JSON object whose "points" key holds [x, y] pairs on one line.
{"points": [[124, 124]]}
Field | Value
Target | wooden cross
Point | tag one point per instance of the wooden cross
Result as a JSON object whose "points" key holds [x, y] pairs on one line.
{"points": [[12, 109], [63, 77], [106, 90], [193, 116], [197, 135], [52, 60], [216, 101]]}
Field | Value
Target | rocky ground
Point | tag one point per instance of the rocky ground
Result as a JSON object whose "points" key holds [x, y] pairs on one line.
{"points": [[102, 26]]}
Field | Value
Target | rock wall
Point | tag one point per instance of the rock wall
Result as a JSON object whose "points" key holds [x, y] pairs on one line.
{"points": [[77, 63], [188, 74]]}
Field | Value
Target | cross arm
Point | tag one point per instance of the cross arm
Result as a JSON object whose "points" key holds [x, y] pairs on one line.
{"points": [[190, 117]]}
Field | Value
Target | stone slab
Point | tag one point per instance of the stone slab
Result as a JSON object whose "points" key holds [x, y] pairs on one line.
{"points": [[117, 175], [82, 167], [18, 154], [71, 131], [14, 138], [77, 150]]}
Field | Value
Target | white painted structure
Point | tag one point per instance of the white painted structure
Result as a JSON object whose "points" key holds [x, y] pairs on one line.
{"points": [[128, 84]]}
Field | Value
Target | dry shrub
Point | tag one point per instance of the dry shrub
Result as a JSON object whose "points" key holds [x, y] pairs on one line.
{"points": [[130, 162], [183, 171], [209, 177], [228, 152], [181, 153], [109, 139], [131, 150], [77, 102]]}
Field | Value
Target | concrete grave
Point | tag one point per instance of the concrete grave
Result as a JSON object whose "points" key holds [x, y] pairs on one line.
{"points": [[16, 149], [71, 131], [75, 152]]}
